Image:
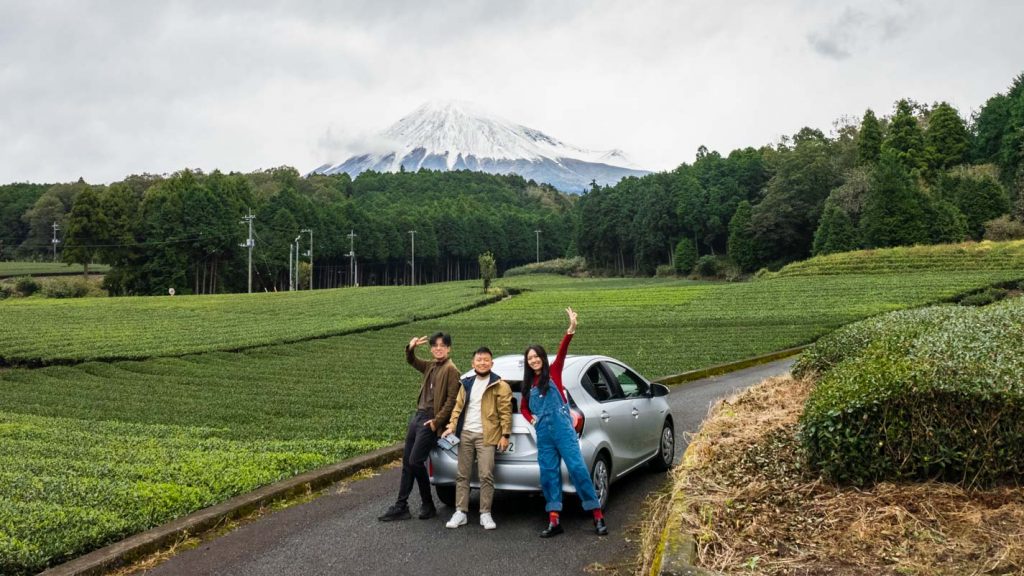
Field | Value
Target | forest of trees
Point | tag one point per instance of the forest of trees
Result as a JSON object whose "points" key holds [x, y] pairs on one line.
{"points": [[922, 174]]}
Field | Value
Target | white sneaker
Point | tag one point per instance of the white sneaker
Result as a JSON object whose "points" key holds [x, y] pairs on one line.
{"points": [[487, 522], [458, 519]]}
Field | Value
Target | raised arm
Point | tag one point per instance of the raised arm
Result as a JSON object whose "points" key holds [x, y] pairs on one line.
{"points": [[410, 354], [563, 349]]}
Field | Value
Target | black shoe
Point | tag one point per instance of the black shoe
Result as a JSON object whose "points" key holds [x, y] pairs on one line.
{"points": [[395, 512], [552, 530], [427, 511], [600, 527]]}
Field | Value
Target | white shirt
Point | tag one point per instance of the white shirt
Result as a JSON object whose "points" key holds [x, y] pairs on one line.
{"points": [[474, 422]]}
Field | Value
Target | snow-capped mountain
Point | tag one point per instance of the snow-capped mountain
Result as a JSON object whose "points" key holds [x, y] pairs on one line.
{"points": [[458, 136]]}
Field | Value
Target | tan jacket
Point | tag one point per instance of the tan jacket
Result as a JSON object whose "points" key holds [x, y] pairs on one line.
{"points": [[495, 410]]}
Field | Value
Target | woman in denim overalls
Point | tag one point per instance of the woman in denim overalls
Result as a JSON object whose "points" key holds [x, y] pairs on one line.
{"points": [[547, 408]]}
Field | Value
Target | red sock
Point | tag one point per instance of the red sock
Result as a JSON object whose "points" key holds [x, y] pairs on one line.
{"points": [[598, 515], [553, 517]]}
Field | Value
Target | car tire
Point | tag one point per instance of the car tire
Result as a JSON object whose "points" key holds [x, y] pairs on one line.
{"points": [[663, 459], [446, 494], [601, 476]]}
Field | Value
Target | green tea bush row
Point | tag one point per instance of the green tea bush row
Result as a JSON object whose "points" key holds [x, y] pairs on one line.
{"points": [[969, 256], [38, 332], [564, 266], [938, 394]]}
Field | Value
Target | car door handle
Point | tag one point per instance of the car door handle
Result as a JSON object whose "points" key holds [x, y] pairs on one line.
{"points": [[604, 416]]}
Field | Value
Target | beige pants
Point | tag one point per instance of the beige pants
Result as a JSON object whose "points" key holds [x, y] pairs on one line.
{"points": [[472, 447]]}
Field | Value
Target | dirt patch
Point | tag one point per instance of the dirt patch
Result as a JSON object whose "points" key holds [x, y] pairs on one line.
{"points": [[754, 509]]}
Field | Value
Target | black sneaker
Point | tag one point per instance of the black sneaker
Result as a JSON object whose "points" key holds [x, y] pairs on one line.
{"points": [[395, 512], [552, 530], [427, 511], [600, 527]]}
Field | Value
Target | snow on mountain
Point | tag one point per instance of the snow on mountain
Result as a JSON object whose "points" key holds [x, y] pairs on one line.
{"points": [[459, 136]]}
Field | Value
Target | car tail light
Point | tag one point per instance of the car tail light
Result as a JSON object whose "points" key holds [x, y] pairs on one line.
{"points": [[577, 421]]}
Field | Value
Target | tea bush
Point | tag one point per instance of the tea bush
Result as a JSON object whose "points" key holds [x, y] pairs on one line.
{"points": [[932, 394], [563, 266]]}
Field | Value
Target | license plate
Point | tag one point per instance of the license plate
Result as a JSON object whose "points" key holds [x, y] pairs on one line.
{"points": [[511, 448]]}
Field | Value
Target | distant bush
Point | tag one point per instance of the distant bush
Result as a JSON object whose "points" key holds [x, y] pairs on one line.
{"points": [[1003, 228], [66, 288], [707, 266], [985, 297], [564, 266], [665, 271], [26, 285], [935, 393], [685, 256], [6, 291]]}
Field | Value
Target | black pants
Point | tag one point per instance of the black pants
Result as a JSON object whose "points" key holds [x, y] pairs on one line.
{"points": [[419, 440]]}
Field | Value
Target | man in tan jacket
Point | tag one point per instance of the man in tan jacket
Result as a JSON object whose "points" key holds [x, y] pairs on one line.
{"points": [[482, 419]]}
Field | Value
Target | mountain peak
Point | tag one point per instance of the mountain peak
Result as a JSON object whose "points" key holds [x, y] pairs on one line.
{"points": [[455, 135]]}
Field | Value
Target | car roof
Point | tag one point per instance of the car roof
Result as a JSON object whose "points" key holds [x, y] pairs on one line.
{"points": [[510, 366]]}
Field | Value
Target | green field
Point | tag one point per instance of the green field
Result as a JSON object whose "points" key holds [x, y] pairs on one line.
{"points": [[45, 331], [969, 256], [92, 452], [12, 269]]}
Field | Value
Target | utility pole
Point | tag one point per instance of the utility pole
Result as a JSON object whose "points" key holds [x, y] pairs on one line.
{"points": [[298, 279], [310, 230], [55, 241], [352, 256], [249, 243], [413, 261], [538, 245], [291, 252]]}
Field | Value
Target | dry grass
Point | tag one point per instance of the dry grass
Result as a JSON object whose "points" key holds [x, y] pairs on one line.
{"points": [[754, 510]]}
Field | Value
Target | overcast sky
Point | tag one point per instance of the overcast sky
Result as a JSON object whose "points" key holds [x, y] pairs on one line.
{"points": [[106, 89]]}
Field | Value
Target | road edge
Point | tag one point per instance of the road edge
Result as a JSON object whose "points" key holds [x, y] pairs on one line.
{"points": [[140, 545]]}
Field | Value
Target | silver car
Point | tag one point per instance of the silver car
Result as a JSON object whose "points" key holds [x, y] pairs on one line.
{"points": [[623, 422]]}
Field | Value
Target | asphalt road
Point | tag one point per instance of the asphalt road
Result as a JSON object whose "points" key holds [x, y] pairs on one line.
{"points": [[339, 533]]}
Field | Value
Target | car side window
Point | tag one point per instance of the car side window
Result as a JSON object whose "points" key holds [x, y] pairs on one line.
{"points": [[596, 383], [632, 385]]}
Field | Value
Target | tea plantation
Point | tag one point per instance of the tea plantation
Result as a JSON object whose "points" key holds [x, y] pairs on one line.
{"points": [[92, 452]]}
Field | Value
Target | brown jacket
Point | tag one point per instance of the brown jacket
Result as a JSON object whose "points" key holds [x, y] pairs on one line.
{"points": [[446, 385], [495, 409]]}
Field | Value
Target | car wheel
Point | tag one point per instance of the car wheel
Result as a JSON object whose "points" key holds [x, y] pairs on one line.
{"points": [[601, 476], [662, 461], [446, 494]]}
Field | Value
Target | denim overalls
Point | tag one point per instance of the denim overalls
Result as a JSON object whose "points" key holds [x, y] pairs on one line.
{"points": [[557, 441]]}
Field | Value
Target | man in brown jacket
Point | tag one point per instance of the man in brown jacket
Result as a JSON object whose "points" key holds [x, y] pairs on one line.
{"points": [[482, 419], [438, 391]]}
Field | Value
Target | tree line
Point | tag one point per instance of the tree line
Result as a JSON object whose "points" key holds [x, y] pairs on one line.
{"points": [[922, 174]]}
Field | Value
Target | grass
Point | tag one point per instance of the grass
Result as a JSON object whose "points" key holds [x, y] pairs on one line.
{"points": [[95, 451], [36, 332], [11, 269], [743, 492]]}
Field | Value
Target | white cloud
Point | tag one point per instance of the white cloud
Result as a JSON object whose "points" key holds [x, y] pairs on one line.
{"points": [[103, 89]]}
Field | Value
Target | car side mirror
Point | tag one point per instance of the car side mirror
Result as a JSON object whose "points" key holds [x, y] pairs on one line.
{"points": [[659, 390]]}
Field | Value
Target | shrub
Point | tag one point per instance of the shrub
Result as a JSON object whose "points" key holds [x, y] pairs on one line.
{"points": [[66, 288], [1003, 228], [665, 271], [707, 266], [937, 395], [26, 285], [985, 297], [6, 291], [565, 266]]}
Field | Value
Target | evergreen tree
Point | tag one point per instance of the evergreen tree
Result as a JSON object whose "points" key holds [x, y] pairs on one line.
{"points": [[894, 210], [977, 193], [869, 139], [836, 232], [685, 256], [947, 141], [741, 238], [905, 138], [87, 229]]}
